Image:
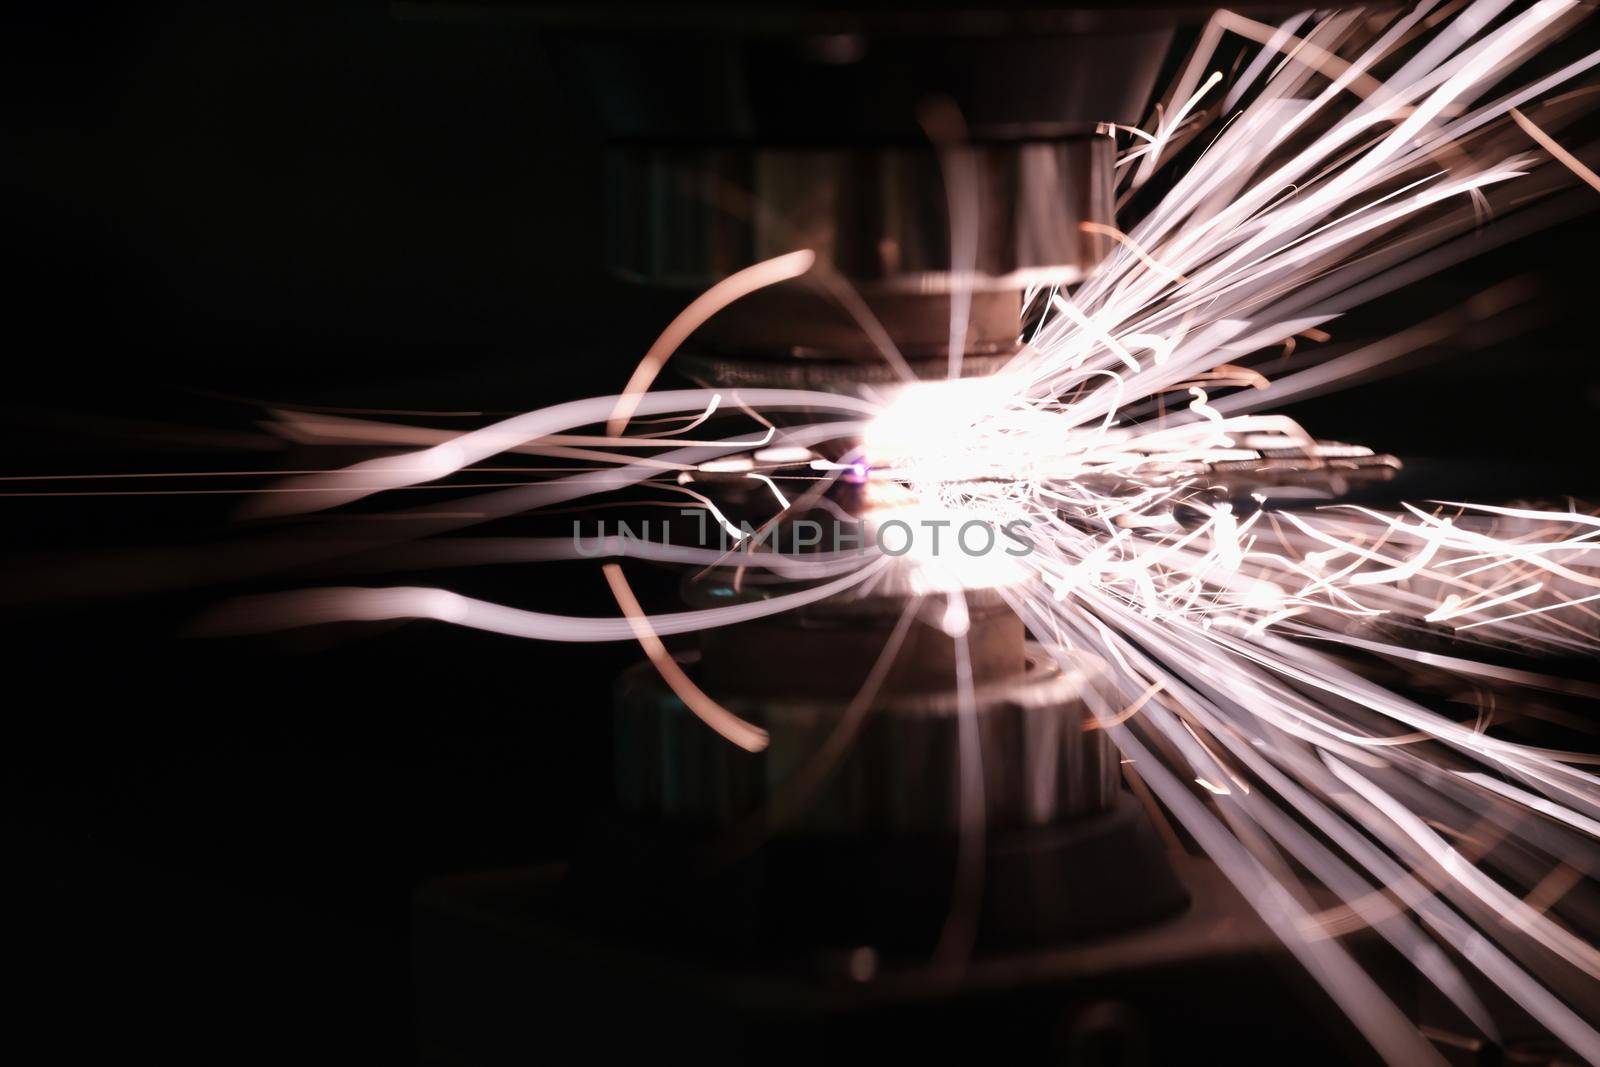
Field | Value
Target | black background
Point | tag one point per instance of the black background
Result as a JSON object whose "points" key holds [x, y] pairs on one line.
{"points": [[215, 840]]}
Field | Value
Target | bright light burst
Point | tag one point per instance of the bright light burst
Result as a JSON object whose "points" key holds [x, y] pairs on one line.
{"points": [[1351, 153]]}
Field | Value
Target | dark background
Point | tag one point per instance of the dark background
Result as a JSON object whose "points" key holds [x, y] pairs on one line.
{"points": [[215, 840]]}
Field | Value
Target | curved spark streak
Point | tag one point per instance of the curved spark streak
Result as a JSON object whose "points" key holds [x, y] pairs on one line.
{"points": [[747, 736], [727, 291]]}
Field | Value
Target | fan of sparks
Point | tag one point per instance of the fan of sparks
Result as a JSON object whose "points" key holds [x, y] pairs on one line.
{"points": [[1337, 157]]}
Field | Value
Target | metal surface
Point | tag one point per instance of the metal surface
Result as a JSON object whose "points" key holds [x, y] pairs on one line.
{"points": [[878, 219], [879, 216], [899, 776], [739, 133]]}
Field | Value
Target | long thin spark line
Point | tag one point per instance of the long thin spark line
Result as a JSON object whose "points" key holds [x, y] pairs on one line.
{"points": [[119, 475], [1551, 145]]}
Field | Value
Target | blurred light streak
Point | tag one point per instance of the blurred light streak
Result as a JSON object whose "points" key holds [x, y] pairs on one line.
{"points": [[701, 308], [746, 736]]}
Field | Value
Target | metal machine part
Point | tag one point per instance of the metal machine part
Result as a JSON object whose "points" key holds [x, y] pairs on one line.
{"points": [[878, 219], [858, 840], [824, 132], [797, 675], [1042, 759], [737, 134], [877, 215], [860, 801]]}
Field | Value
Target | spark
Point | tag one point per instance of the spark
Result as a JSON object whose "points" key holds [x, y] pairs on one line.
{"points": [[727, 291], [748, 737], [1551, 145]]}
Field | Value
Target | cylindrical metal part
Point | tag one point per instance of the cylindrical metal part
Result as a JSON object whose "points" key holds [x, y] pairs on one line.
{"points": [[879, 216], [1043, 763], [880, 222]]}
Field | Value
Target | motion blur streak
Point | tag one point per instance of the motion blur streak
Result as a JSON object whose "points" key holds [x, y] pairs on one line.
{"points": [[748, 737]]}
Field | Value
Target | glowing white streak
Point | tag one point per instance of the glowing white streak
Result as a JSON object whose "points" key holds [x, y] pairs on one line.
{"points": [[783, 501], [1352, 887], [317, 606], [1274, 44], [1462, 872], [1477, 950], [1453, 606], [722, 520], [959, 933], [1372, 1012], [1168, 125], [1530, 611], [1555, 811], [444, 459]]}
